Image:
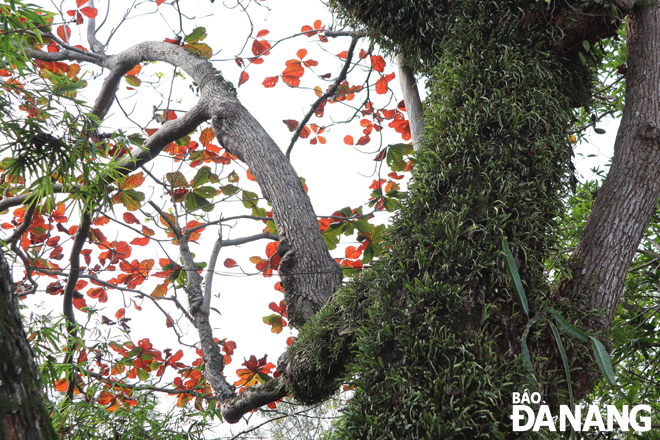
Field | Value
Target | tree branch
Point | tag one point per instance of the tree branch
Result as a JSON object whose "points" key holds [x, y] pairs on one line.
{"points": [[340, 78]]}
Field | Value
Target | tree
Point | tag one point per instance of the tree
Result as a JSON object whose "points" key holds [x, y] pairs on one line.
{"points": [[459, 312]]}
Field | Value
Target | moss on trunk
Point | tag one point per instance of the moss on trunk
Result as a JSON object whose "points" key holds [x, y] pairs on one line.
{"points": [[432, 334]]}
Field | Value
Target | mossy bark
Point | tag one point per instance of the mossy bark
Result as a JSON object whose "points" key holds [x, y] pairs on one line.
{"points": [[23, 413], [431, 336]]}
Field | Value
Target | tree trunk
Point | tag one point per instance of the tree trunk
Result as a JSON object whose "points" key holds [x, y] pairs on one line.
{"points": [[629, 195], [23, 412]]}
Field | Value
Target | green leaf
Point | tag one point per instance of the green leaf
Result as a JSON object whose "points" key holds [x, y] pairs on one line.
{"points": [[564, 359], [527, 360], [586, 45], [133, 80], [195, 202], [603, 360], [250, 199], [196, 35], [573, 331], [203, 176], [177, 179], [599, 131], [368, 255], [208, 192], [513, 271], [395, 160], [229, 190]]}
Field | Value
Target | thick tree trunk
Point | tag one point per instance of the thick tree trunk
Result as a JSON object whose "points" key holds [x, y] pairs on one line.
{"points": [[629, 195], [23, 413]]}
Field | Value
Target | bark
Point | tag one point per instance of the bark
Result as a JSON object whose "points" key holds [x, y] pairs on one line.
{"points": [[412, 100], [625, 202], [23, 412]]}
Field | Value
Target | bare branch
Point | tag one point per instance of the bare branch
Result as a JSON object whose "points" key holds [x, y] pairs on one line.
{"points": [[340, 78], [208, 282]]}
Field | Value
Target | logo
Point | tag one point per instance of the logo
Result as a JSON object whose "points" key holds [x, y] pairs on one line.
{"points": [[525, 418]]}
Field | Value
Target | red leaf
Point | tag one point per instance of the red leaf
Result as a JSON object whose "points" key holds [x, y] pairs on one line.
{"points": [[381, 155], [305, 132], [90, 12], [79, 3], [130, 218], [342, 55], [250, 176], [120, 313], [291, 124], [378, 63], [230, 263], [244, 77], [159, 2], [364, 140], [260, 47], [240, 61], [270, 81], [263, 33], [348, 139]]}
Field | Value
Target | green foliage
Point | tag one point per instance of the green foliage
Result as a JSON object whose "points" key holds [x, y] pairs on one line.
{"points": [[440, 328]]}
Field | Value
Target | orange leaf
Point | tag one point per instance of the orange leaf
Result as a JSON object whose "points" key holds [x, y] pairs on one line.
{"points": [[348, 139], [64, 32], [250, 176], [141, 241], [134, 181], [293, 72], [378, 63], [98, 293], [301, 53], [161, 290], [263, 33], [244, 77], [159, 2], [206, 137], [134, 71], [151, 131], [270, 81], [120, 313], [342, 55], [256, 260], [61, 385], [271, 248], [305, 132]]}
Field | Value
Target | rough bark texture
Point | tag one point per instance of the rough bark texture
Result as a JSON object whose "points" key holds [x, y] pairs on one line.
{"points": [[23, 413], [630, 193]]}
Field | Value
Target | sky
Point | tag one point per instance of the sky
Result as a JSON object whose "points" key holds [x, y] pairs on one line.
{"points": [[337, 175]]}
